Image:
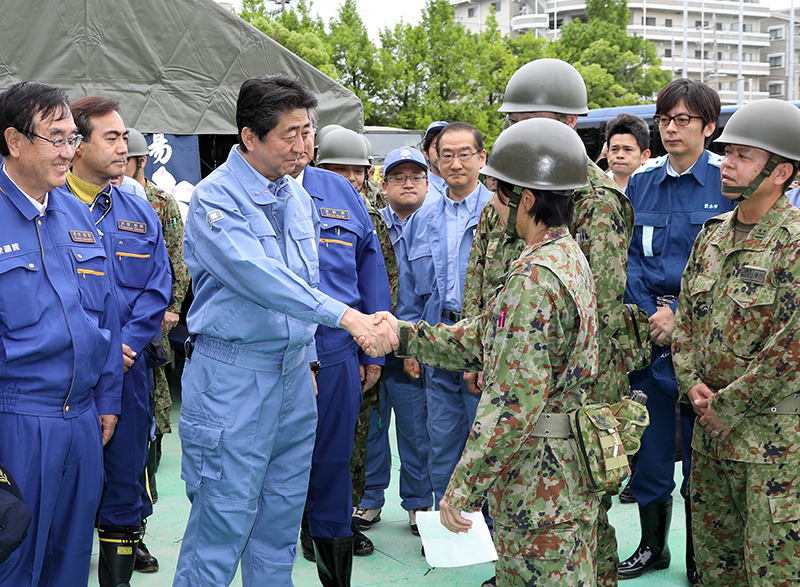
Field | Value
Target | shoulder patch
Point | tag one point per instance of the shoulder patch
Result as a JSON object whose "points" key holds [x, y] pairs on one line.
{"points": [[82, 236], [132, 226], [212, 217], [335, 214]]}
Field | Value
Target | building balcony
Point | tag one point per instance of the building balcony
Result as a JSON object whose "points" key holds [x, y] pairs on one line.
{"points": [[716, 69], [694, 36], [525, 22]]}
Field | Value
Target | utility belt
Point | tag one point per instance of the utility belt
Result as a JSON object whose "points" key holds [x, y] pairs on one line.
{"points": [[602, 437], [449, 315], [788, 405]]}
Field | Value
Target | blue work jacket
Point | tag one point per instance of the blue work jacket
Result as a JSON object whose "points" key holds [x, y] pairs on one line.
{"points": [[670, 211], [422, 259], [246, 290], [142, 280], [351, 266], [59, 326]]}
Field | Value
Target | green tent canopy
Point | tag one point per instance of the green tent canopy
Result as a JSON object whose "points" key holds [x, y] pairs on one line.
{"points": [[174, 65]]}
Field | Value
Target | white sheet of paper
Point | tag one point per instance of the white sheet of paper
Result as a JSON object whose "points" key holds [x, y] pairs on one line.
{"points": [[443, 548]]}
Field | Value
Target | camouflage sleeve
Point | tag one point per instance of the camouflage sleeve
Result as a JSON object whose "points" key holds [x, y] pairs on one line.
{"points": [[453, 348], [173, 238], [682, 351], [476, 266], [389, 258], [517, 385]]}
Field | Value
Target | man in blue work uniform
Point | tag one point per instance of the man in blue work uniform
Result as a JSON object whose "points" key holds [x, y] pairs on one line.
{"points": [[432, 254], [672, 198], [351, 270], [60, 364], [437, 186], [248, 416], [404, 186], [143, 287]]}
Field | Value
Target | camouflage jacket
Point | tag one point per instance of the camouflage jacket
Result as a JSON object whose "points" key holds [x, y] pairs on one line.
{"points": [[736, 330], [603, 226], [172, 225], [536, 342], [385, 240]]}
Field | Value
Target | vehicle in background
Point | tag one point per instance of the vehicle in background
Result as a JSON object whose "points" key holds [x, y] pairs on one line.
{"points": [[386, 139]]}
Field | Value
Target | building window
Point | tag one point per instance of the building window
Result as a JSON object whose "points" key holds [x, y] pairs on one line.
{"points": [[748, 28], [698, 24], [667, 52], [775, 89], [698, 55], [496, 6], [668, 22], [745, 56], [775, 34], [776, 60], [719, 26], [650, 21], [471, 12]]}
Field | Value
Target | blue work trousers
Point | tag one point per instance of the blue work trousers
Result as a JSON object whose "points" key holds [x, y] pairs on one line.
{"points": [[654, 478], [58, 465], [125, 501], [451, 413], [330, 490], [407, 399], [247, 431]]}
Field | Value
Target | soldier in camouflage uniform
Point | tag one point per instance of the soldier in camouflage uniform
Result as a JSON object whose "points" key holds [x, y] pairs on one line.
{"points": [[602, 227], [536, 342], [736, 353]]}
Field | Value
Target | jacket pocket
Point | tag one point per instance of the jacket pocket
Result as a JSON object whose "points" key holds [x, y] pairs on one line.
{"points": [[92, 282]]}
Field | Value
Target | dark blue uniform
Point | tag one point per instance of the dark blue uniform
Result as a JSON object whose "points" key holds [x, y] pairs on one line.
{"points": [[60, 367], [670, 211], [352, 271]]}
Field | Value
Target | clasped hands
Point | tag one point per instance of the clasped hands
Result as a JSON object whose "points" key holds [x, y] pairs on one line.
{"points": [[700, 395], [375, 334]]}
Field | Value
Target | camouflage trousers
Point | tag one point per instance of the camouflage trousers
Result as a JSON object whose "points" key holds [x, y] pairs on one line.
{"points": [[746, 522], [558, 556], [162, 401], [358, 462], [607, 557]]}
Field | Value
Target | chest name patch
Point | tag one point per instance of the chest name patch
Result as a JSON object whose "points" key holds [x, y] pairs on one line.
{"points": [[335, 214], [82, 236], [753, 274], [131, 226]]}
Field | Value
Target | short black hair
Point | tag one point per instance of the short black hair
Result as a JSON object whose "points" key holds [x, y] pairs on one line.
{"points": [[699, 98], [460, 126], [20, 104], [550, 209], [629, 124], [263, 100], [91, 107]]}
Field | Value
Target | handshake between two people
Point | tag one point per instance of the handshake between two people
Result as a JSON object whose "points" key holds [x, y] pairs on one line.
{"points": [[376, 334]]}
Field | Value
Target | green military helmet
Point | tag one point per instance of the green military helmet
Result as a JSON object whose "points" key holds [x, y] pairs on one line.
{"points": [[343, 146], [369, 148], [546, 85], [541, 154], [771, 125], [137, 144], [323, 131]]}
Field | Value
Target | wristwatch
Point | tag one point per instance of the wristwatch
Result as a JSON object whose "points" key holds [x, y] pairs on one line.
{"points": [[315, 367]]}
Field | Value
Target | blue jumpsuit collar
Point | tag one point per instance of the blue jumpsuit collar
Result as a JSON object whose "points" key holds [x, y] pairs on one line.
{"points": [[699, 170], [21, 202], [258, 188]]}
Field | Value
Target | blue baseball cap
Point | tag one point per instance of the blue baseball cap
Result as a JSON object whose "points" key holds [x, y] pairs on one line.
{"points": [[434, 128], [403, 155]]}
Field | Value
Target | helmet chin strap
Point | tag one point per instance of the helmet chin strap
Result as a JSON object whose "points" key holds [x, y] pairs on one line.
{"points": [[513, 206], [746, 191]]}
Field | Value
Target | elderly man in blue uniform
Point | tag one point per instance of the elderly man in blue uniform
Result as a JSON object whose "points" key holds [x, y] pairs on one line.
{"points": [[437, 186], [672, 198], [351, 270], [248, 416], [60, 364], [143, 288], [432, 254], [404, 185]]}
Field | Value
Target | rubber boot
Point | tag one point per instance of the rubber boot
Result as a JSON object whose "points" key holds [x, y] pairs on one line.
{"points": [[653, 551], [306, 544], [691, 565], [334, 560], [117, 554]]}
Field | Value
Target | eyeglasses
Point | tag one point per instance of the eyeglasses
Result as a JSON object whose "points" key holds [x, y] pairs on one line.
{"points": [[680, 119], [463, 157], [401, 179], [59, 144]]}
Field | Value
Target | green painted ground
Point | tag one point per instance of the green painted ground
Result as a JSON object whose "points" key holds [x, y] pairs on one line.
{"points": [[396, 560]]}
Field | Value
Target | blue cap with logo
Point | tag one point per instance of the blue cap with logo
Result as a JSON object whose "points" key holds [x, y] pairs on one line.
{"points": [[403, 155], [434, 128]]}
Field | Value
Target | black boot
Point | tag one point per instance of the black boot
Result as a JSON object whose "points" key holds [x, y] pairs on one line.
{"points": [[117, 554], [691, 565], [334, 560], [362, 546], [653, 552], [306, 544], [145, 562]]}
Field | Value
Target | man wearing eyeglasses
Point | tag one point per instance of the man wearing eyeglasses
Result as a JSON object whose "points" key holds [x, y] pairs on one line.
{"points": [[672, 198], [432, 253], [405, 183], [142, 286], [60, 360]]}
